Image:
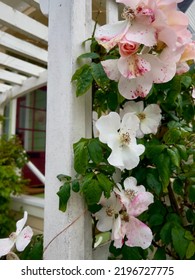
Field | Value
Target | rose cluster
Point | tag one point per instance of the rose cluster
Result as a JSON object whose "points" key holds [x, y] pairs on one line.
{"points": [[154, 44]]}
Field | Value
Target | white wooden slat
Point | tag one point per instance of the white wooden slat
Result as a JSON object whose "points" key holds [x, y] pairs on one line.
{"points": [[20, 65], [22, 47], [33, 3], [22, 23], [11, 77], [111, 11], [28, 85], [4, 87]]}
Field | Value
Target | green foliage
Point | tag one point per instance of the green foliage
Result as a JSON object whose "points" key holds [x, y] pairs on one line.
{"points": [[166, 169], [12, 159], [34, 251]]}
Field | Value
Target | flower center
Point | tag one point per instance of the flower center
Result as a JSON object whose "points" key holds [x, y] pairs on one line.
{"points": [[13, 236], [130, 194], [110, 211], [128, 13], [125, 138], [141, 116]]}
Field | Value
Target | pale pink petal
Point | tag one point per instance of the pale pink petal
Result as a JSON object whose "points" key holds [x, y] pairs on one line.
{"points": [[189, 52], [182, 68], [108, 126], [139, 87], [162, 72], [20, 224], [24, 238], [142, 34], [127, 48], [133, 66], [133, 107], [169, 37], [6, 245], [138, 234], [140, 203], [111, 69], [110, 34]]}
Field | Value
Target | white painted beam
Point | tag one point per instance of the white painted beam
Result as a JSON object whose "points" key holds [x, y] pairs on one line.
{"points": [[22, 23], [36, 171], [20, 65], [11, 77], [4, 87], [33, 3], [66, 235], [23, 48], [28, 85]]}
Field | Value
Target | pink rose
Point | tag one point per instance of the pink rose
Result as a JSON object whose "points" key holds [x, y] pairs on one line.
{"points": [[127, 48]]}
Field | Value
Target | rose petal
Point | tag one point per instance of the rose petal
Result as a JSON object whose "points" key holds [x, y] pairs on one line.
{"points": [[138, 234], [6, 245], [138, 87], [111, 69], [24, 238], [133, 66], [20, 224], [140, 203], [110, 34]]}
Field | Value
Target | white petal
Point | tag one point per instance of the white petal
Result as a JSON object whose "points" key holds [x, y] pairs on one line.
{"points": [[6, 245], [111, 69], [20, 224], [108, 126], [130, 124], [24, 238], [133, 107], [110, 34], [105, 222], [142, 33], [138, 234]]}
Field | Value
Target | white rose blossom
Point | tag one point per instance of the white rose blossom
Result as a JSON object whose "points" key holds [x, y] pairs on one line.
{"points": [[21, 238], [149, 117], [120, 136]]}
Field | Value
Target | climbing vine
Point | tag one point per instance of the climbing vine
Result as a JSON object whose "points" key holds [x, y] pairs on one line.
{"points": [[137, 173]]}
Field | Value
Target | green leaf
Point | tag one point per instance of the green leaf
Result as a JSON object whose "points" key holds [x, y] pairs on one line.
{"points": [[62, 177], [174, 156], [165, 233], [192, 193], [180, 243], [186, 81], [64, 195], [153, 150], [92, 191], [152, 179], [156, 219], [105, 183], [178, 187], [160, 254], [99, 75], [75, 186], [182, 151], [91, 55], [163, 164], [95, 150], [190, 250], [172, 136], [80, 156], [131, 253], [112, 94], [83, 78]]}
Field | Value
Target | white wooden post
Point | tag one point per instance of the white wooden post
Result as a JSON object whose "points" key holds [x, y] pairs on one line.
{"points": [[66, 235]]}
